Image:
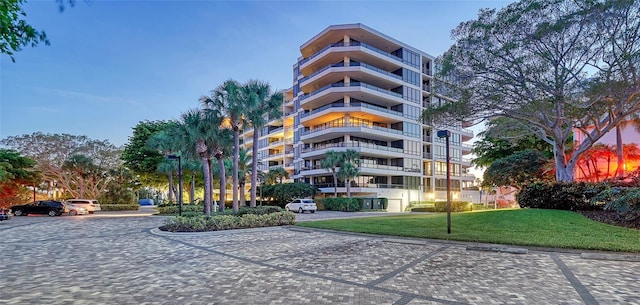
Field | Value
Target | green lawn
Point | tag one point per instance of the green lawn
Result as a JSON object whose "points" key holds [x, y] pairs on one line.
{"points": [[528, 227]]}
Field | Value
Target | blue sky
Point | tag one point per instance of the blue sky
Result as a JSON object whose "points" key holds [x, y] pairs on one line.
{"points": [[112, 64]]}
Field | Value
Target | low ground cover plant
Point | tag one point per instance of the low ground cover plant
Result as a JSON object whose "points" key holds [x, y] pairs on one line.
{"points": [[119, 207]]}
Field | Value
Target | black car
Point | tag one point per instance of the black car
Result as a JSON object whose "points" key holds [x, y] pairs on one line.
{"points": [[49, 207]]}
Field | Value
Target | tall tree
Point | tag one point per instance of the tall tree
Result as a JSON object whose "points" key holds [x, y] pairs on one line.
{"points": [[16, 171], [51, 151], [139, 157], [331, 163], [263, 105], [555, 65], [244, 170], [195, 135], [228, 99], [349, 162], [166, 144]]}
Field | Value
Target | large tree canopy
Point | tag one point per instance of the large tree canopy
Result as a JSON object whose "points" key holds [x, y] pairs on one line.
{"points": [[76, 164], [139, 157], [556, 66], [15, 172], [504, 137]]}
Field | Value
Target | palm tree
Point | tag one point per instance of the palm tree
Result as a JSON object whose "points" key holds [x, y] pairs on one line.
{"points": [[227, 99], [276, 175], [196, 135], [162, 141], [244, 170], [349, 162], [262, 105], [331, 163]]}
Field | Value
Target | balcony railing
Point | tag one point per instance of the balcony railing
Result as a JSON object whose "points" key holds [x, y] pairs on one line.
{"points": [[352, 84], [368, 185], [362, 125], [352, 144], [352, 64], [355, 104], [350, 44]]}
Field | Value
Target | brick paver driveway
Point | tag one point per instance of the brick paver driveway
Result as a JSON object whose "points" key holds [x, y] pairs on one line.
{"points": [[109, 259]]}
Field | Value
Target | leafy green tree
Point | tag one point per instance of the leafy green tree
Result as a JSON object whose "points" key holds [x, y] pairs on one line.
{"points": [[263, 104], [142, 159], [283, 193], [16, 171], [331, 163], [52, 151], [516, 170], [15, 32], [228, 99], [556, 66], [504, 137]]}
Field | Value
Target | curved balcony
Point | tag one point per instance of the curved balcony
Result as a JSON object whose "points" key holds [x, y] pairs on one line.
{"points": [[362, 147], [350, 44], [364, 72], [326, 131]]}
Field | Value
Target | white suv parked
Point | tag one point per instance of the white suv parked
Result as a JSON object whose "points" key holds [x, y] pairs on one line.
{"points": [[301, 205], [91, 205]]}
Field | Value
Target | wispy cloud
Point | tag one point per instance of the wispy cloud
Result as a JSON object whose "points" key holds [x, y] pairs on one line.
{"points": [[88, 97]]}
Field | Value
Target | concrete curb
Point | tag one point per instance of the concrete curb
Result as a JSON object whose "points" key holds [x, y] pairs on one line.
{"points": [[611, 257]]}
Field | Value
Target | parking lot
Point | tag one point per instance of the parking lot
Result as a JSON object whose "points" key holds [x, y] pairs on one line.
{"points": [[121, 258]]}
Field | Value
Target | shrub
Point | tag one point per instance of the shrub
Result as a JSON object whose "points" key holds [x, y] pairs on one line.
{"points": [[342, 204], [259, 210], [320, 204], [456, 206], [627, 204], [186, 208], [119, 207], [561, 196], [228, 222]]}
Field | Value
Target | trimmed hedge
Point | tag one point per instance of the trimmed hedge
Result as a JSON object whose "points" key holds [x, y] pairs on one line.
{"points": [[119, 207], [440, 206], [343, 204], [259, 210], [186, 208], [228, 222], [561, 196]]}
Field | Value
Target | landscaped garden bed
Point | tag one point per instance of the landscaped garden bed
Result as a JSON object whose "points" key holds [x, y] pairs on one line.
{"points": [[196, 221]]}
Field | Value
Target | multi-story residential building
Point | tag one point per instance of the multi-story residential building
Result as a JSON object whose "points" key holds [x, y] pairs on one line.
{"points": [[356, 88]]}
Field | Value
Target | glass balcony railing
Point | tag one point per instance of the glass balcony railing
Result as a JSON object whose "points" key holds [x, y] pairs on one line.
{"points": [[352, 84], [351, 44], [352, 144], [361, 125], [352, 64], [355, 104]]}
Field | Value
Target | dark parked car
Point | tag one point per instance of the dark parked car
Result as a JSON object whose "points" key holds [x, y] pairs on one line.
{"points": [[49, 207], [5, 214]]}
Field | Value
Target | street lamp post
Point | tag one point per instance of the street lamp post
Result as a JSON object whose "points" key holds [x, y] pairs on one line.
{"points": [[446, 134], [174, 157]]}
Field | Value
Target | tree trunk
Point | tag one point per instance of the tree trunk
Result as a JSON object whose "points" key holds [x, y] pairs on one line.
{"points": [[254, 168], [564, 170], [335, 184], [243, 201], [223, 183], [192, 191], [236, 153], [171, 187], [619, 152], [348, 183], [206, 171]]}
